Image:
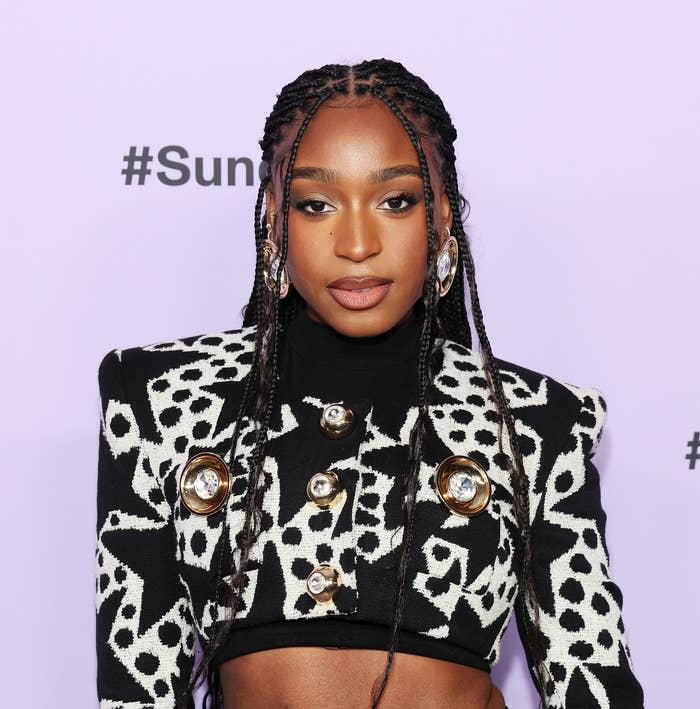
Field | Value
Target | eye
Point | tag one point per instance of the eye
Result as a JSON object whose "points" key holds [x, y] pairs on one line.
{"points": [[401, 202], [315, 207]]}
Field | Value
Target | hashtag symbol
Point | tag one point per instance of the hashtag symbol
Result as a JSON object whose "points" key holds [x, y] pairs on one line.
{"points": [[694, 445], [137, 165]]}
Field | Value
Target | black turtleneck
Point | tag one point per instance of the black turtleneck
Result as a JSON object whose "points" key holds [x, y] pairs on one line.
{"points": [[318, 360]]}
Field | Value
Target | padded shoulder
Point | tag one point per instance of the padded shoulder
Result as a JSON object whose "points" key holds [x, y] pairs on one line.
{"points": [[226, 348], [587, 402], [549, 404], [151, 373]]}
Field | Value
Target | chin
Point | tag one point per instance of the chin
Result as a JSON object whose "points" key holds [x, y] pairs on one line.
{"points": [[360, 323]]}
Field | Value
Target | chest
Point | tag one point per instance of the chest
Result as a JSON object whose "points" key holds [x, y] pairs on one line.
{"points": [[455, 559]]}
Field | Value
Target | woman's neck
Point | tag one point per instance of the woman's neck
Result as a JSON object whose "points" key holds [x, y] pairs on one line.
{"points": [[318, 342]]}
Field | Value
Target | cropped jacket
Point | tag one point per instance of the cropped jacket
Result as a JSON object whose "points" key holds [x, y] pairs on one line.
{"points": [[159, 562]]}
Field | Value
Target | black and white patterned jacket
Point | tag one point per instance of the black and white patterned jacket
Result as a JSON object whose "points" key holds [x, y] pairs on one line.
{"points": [[162, 403]]}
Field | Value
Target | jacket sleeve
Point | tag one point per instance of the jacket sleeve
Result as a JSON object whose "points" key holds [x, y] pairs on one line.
{"points": [[145, 643], [580, 605]]}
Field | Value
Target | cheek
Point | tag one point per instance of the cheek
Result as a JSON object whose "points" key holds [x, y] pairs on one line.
{"points": [[306, 250], [407, 250]]}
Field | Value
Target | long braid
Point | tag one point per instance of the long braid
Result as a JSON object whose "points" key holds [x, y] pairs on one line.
{"points": [[425, 376], [250, 311], [521, 503], [203, 668], [419, 109]]}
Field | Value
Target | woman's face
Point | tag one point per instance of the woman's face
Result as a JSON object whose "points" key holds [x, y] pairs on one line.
{"points": [[357, 210]]}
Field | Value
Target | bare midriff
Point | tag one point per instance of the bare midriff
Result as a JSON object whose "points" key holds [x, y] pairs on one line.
{"points": [[319, 677]]}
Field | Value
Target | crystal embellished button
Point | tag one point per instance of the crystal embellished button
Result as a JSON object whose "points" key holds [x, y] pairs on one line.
{"points": [[204, 483], [323, 488], [323, 582], [337, 420], [462, 485]]}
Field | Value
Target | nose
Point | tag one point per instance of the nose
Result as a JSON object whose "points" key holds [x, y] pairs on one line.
{"points": [[356, 237]]}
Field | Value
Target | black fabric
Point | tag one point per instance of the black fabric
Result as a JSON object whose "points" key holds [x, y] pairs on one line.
{"points": [[341, 633], [320, 343], [319, 361]]}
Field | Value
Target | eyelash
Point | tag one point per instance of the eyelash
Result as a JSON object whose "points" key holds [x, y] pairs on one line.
{"points": [[406, 196]]}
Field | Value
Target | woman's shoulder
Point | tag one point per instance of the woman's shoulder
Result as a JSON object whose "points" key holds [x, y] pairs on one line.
{"points": [[161, 381], [542, 402], [224, 351]]}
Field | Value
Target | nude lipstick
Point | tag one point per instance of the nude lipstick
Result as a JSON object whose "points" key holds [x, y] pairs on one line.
{"points": [[359, 293]]}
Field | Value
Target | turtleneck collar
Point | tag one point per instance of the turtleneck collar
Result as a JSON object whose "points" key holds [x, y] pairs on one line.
{"points": [[320, 343]]}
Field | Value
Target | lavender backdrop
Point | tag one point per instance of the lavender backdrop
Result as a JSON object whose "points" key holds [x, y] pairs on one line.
{"points": [[579, 149]]}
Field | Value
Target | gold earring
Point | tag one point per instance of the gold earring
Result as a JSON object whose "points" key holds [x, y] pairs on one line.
{"points": [[446, 263], [271, 263]]}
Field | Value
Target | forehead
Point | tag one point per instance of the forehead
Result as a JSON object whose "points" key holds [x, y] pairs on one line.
{"points": [[354, 136]]}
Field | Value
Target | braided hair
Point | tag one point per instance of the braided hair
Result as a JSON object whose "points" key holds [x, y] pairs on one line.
{"points": [[425, 118]]}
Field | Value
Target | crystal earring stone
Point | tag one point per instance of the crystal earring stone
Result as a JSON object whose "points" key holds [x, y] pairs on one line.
{"points": [[271, 261], [274, 267], [443, 265], [448, 260]]}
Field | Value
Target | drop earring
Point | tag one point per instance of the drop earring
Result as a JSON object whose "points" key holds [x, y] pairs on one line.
{"points": [[446, 263], [271, 263]]}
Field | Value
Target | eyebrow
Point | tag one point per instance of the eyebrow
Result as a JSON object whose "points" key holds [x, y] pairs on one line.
{"points": [[384, 174]]}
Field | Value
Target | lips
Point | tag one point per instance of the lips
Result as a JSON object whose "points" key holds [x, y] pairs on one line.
{"points": [[352, 283], [359, 293]]}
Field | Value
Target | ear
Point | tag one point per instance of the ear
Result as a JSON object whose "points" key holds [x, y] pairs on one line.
{"points": [[445, 214], [271, 210]]}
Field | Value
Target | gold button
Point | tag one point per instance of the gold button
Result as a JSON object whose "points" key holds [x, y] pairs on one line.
{"points": [[462, 484], [323, 488], [337, 420], [323, 582], [204, 483]]}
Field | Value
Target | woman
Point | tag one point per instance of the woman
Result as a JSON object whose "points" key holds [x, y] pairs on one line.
{"points": [[326, 496]]}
